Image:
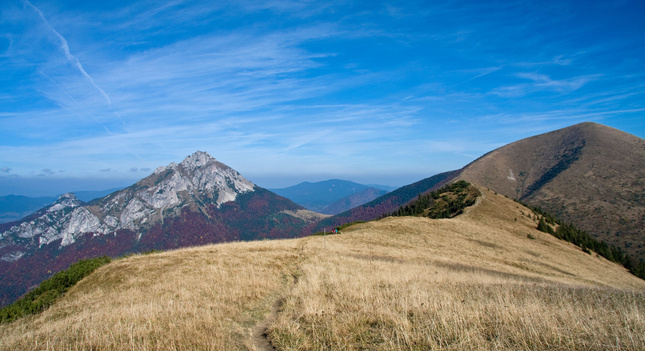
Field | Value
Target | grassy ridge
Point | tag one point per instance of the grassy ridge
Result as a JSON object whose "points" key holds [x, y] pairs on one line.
{"points": [[474, 282]]}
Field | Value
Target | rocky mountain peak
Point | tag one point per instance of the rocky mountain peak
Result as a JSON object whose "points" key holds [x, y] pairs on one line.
{"points": [[161, 169], [197, 159], [197, 176], [197, 182], [67, 198], [64, 201]]}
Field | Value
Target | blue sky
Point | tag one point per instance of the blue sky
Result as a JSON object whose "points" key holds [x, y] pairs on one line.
{"points": [[98, 94]]}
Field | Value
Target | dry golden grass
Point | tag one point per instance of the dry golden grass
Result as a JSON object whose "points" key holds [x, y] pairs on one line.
{"points": [[473, 282], [206, 298]]}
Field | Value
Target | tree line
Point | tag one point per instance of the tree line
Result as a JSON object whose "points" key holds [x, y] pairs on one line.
{"points": [[569, 232], [446, 202]]}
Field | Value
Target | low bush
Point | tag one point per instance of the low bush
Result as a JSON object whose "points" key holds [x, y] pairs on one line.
{"points": [[46, 294], [447, 202]]}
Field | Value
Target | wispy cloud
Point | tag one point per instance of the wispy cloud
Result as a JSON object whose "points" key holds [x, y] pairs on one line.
{"points": [[46, 171], [541, 82], [485, 71], [216, 75]]}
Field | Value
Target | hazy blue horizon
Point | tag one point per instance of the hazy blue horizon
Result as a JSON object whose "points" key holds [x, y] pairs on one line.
{"points": [[39, 187]]}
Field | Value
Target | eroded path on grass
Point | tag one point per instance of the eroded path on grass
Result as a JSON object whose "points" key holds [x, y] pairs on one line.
{"points": [[482, 195], [260, 332], [260, 336]]}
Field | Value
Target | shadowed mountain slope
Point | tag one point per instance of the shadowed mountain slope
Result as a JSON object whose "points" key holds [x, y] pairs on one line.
{"points": [[353, 200], [486, 279], [587, 174]]}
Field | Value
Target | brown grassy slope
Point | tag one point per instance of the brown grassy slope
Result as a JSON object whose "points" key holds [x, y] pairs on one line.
{"points": [[473, 282], [588, 174]]}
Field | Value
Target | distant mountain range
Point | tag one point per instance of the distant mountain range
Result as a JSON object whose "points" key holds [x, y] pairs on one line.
{"points": [[332, 196], [384, 204], [328, 197]]}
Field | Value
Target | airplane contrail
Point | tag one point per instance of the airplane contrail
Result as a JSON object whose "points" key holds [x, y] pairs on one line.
{"points": [[72, 58], [74, 100]]}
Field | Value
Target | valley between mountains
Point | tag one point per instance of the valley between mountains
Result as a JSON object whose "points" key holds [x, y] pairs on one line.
{"points": [[486, 279]]}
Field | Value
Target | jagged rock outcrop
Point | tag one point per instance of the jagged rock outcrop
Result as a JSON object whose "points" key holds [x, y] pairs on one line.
{"points": [[198, 180], [59, 221]]}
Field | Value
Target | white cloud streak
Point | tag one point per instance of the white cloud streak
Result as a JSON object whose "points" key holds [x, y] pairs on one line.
{"points": [[563, 85], [542, 82]]}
